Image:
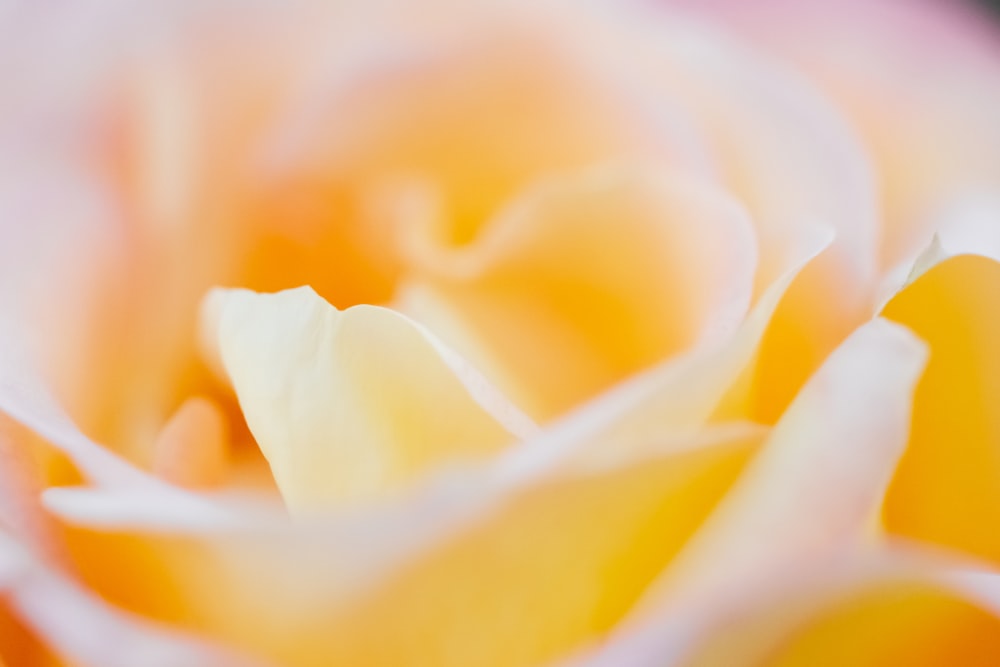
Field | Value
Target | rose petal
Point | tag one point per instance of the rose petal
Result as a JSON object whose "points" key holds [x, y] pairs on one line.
{"points": [[85, 630], [596, 540], [821, 476], [945, 490], [372, 590], [278, 576], [25, 398], [681, 395], [587, 279], [967, 227], [792, 160], [480, 104], [883, 61], [347, 406], [192, 448], [894, 607], [23, 469], [882, 623], [313, 567]]}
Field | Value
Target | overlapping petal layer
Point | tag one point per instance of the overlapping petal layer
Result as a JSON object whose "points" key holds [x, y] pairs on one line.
{"points": [[631, 228], [946, 489], [872, 609], [588, 279], [348, 405]]}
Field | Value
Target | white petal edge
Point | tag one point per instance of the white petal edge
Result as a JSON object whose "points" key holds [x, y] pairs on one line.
{"points": [[83, 629]]}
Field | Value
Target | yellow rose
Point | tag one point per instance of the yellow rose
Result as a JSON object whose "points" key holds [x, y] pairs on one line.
{"points": [[499, 333]]}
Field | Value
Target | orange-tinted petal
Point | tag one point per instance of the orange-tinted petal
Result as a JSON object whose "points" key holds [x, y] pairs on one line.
{"points": [[192, 448], [587, 279], [546, 563], [947, 489], [820, 477], [897, 606], [350, 405], [84, 630]]}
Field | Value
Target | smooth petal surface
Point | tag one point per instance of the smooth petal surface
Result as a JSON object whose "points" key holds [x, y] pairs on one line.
{"points": [[480, 104], [895, 606], [791, 159], [349, 405], [192, 448], [893, 623], [84, 630], [967, 227], [587, 279], [599, 205], [678, 397], [920, 81], [386, 591], [881, 609], [821, 475], [320, 572], [577, 553], [25, 399], [945, 490], [25, 470], [314, 571]]}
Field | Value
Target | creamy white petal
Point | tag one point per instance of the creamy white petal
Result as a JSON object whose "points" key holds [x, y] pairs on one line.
{"points": [[350, 405]]}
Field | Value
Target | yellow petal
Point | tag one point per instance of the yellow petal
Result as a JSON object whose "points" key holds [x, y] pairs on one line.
{"points": [[946, 489], [548, 563], [559, 565], [895, 625], [896, 606], [587, 279], [348, 406], [791, 159], [708, 384], [83, 629], [821, 475], [887, 620]]}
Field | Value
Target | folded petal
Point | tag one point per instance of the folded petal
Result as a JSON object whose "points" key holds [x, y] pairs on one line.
{"points": [[790, 157], [547, 560], [269, 579], [918, 61], [889, 608], [821, 476], [24, 467], [678, 397], [967, 227], [25, 398], [480, 104], [587, 279], [946, 488], [349, 405], [84, 630]]}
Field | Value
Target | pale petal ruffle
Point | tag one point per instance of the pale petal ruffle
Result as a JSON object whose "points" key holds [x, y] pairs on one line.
{"points": [[588, 278], [82, 629], [817, 485], [350, 405]]}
